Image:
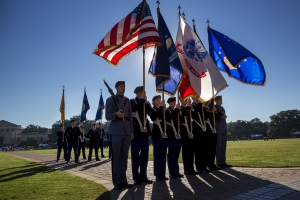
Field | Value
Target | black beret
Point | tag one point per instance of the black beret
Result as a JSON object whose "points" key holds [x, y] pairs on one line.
{"points": [[72, 120], [218, 98], [171, 99], [61, 125], [156, 97], [119, 83], [138, 89]]}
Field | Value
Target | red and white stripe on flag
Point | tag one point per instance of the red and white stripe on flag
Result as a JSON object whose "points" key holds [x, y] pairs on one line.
{"points": [[133, 31], [201, 78]]}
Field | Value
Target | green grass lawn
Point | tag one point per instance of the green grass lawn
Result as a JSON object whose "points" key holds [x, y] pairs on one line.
{"points": [[255, 153], [21, 179]]}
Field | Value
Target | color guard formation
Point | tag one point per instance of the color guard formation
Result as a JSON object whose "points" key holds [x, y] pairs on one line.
{"points": [[195, 129], [190, 127]]}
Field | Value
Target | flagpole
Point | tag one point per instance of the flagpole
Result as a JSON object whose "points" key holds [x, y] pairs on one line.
{"points": [[144, 86], [64, 113], [179, 14], [101, 107]]}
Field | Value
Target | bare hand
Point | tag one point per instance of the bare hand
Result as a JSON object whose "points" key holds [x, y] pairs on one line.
{"points": [[131, 136], [162, 103], [189, 102], [224, 117], [143, 94], [178, 105], [120, 114]]}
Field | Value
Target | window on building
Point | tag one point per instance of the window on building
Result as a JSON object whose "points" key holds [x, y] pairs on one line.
{"points": [[18, 139], [1, 140], [42, 139], [7, 130], [12, 130], [12, 140], [2, 130]]}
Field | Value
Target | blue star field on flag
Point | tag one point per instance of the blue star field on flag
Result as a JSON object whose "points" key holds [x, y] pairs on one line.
{"points": [[234, 59]]}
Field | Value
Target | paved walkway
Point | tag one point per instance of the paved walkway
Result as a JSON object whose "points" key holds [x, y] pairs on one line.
{"points": [[230, 183]]}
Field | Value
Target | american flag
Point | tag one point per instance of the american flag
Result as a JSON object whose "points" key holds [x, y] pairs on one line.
{"points": [[133, 31]]}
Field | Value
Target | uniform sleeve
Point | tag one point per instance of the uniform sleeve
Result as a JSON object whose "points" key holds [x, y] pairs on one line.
{"points": [[110, 113], [88, 135], [130, 118]]}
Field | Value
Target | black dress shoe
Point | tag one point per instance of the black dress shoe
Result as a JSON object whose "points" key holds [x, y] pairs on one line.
{"points": [[98, 159], [189, 173], [216, 167], [208, 169], [199, 171], [180, 175], [127, 185], [172, 176], [147, 181], [226, 165], [117, 187], [136, 183], [159, 178], [102, 156]]}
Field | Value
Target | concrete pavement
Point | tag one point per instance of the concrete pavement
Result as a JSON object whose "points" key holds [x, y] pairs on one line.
{"points": [[230, 183]]}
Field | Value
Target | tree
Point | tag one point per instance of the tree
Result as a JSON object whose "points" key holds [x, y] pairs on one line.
{"points": [[34, 128], [23, 143], [283, 123], [239, 129], [32, 141], [258, 127]]}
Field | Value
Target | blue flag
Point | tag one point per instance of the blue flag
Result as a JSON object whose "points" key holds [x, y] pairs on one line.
{"points": [[85, 107], [100, 108], [166, 66], [234, 59]]}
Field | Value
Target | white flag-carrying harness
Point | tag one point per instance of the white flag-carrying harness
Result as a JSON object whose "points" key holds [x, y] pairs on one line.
{"points": [[204, 76]]}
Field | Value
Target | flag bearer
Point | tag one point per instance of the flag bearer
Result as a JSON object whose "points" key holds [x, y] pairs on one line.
{"points": [[140, 144], [159, 138], [174, 143]]}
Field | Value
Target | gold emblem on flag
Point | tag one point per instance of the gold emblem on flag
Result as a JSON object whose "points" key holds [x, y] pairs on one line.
{"points": [[169, 43]]}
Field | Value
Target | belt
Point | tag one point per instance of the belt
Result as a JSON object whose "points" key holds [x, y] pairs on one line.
{"points": [[123, 119]]}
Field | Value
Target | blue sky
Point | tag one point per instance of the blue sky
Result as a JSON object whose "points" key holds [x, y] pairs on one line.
{"points": [[47, 44]]}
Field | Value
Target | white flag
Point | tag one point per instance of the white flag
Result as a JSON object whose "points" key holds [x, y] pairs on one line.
{"points": [[202, 73]]}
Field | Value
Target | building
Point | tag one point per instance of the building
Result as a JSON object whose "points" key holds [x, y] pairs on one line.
{"points": [[8, 133], [11, 134], [41, 137]]}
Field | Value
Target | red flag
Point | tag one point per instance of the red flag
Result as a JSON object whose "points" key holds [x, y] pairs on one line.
{"points": [[133, 31]]}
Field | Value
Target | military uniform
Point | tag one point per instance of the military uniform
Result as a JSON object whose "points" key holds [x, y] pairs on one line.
{"points": [[174, 145], [212, 141], [120, 130], [93, 135], [72, 133], [140, 143], [101, 136], [187, 138], [82, 142], [221, 128], [201, 137], [61, 144], [160, 142]]}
